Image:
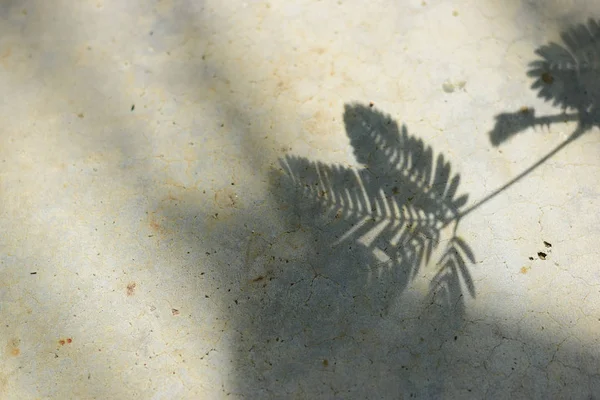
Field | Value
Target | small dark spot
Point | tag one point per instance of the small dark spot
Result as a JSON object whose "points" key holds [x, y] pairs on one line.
{"points": [[33, 273], [174, 311], [132, 107], [325, 362], [542, 255], [131, 288], [455, 337], [371, 104], [531, 258], [547, 244], [258, 279], [206, 296], [151, 33], [547, 78]]}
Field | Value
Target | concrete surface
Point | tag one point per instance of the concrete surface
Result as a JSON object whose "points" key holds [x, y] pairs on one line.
{"points": [[304, 200]]}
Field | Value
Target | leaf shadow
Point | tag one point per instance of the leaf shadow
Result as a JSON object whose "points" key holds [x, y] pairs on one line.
{"points": [[565, 75], [382, 223]]}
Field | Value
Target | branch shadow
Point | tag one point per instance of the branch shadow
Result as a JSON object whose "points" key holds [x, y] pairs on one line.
{"points": [[565, 75]]}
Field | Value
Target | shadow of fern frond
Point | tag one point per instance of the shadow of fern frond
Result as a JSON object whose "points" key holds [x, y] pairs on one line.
{"points": [[395, 205]]}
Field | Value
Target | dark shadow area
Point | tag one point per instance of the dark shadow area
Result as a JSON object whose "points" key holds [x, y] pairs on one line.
{"points": [[327, 295], [565, 75]]}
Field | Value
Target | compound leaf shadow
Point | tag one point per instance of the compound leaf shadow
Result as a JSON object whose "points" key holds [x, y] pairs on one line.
{"points": [[395, 206]]}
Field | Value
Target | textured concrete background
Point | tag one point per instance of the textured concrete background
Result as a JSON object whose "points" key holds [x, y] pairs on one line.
{"points": [[206, 199]]}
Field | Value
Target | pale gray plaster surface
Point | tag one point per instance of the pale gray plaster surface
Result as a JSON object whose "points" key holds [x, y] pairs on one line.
{"points": [[299, 199]]}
